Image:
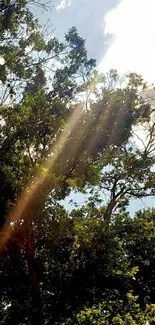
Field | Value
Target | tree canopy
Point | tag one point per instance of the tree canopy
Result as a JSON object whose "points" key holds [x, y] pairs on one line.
{"points": [[66, 127]]}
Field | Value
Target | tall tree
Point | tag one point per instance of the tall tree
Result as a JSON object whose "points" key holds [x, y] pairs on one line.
{"points": [[50, 142]]}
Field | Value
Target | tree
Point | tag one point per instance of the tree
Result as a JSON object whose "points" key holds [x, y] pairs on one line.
{"points": [[125, 170], [41, 118], [103, 313]]}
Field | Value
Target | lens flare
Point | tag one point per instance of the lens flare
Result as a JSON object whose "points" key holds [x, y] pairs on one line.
{"points": [[27, 203], [27, 200]]}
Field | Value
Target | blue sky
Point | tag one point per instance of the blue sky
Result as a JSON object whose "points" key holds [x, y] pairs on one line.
{"points": [[119, 34], [135, 205], [87, 16]]}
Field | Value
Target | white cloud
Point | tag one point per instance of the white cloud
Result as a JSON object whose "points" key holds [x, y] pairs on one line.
{"points": [[132, 48], [63, 4]]}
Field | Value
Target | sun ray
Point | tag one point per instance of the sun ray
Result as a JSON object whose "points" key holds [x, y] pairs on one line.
{"points": [[27, 198]]}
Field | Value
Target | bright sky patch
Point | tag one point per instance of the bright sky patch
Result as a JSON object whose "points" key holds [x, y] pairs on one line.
{"points": [[132, 48]]}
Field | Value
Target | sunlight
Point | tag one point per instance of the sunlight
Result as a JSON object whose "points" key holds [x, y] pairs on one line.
{"points": [[27, 198], [26, 201]]}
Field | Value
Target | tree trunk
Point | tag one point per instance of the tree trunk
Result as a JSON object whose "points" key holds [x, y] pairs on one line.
{"points": [[30, 257], [108, 212]]}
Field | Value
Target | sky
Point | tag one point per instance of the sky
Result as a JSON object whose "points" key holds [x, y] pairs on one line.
{"points": [[120, 34], [87, 16], [132, 26]]}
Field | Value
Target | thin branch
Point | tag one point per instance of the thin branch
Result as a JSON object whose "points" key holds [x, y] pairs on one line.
{"points": [[139, 139]]}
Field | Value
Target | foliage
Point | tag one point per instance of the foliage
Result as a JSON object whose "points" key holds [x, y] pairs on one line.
{"points": [[115, 313], [65, 126]]}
